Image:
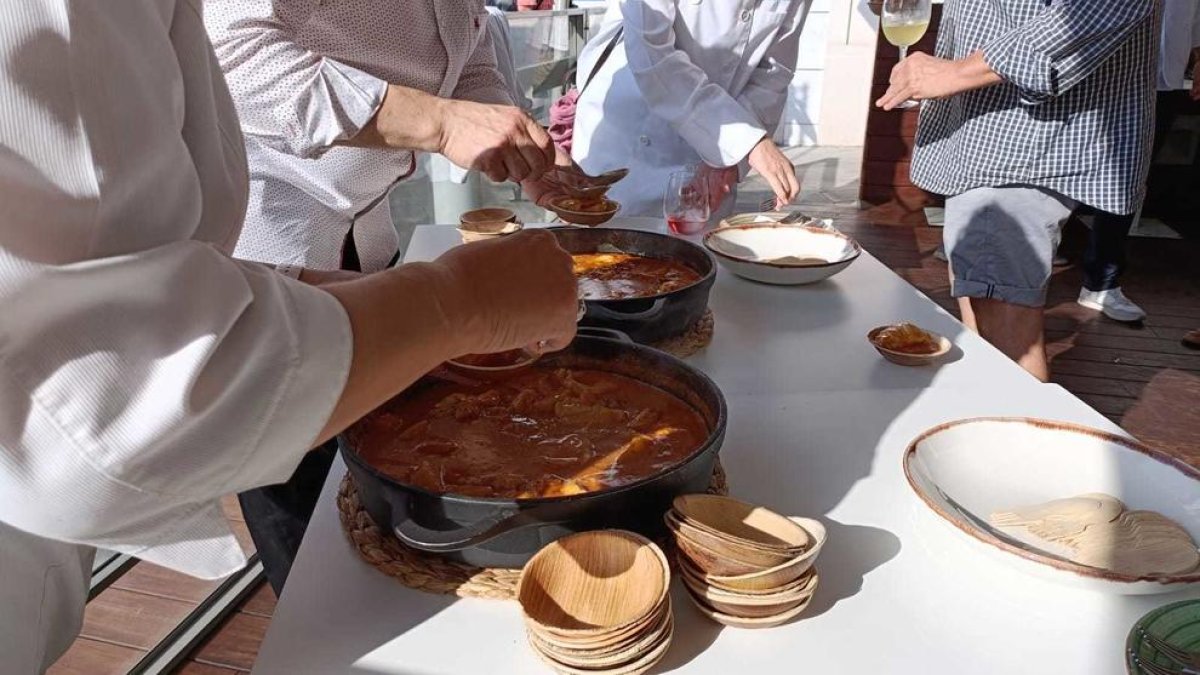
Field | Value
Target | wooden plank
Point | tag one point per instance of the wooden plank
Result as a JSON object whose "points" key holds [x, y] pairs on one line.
{"points": [[1129, 344], [93, 657], [907, 200], [197, 668], [891, 148], [1081, 384], [889, 122], [235, 644], [887, 173], [132, 619], [1116, 356], [261, 602], [231, 507], [1109, 405], [1133, 375], [152, 579]]}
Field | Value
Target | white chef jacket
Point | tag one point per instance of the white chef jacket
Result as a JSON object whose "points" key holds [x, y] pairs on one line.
{"points": [[691, 81], [1180, 34], [306, 74], [144, 373]]}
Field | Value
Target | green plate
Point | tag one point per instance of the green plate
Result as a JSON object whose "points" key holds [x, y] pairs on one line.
{"points": [[1177, 624]]}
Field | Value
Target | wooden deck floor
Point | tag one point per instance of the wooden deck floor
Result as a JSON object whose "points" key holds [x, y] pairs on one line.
{"points": [[1140, 377]]}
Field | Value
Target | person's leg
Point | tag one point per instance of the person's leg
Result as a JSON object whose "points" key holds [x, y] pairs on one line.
{"points": [[277, 515], [1001, 242], [1015, 330], [1104, 258]]}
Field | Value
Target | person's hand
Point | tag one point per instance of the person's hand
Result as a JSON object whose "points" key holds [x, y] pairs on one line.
{"points": [[501, 141], [511, 292], [718, 183], [541, 192], [778, 171], [920, 77]]}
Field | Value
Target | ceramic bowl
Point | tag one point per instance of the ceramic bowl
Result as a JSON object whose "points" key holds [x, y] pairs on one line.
{"points": [[1177, 624], [593, 584], [565, 208], [906, 359], [984, 465], [789, 255]]}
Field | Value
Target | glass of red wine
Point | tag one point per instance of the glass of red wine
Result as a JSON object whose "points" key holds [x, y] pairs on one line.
{"points": [[685, 203]]}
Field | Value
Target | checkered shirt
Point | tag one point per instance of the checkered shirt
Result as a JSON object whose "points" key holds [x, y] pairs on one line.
{"points": [[1075, 111]]}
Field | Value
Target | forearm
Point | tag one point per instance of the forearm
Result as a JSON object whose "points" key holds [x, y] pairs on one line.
{"points": [[393, 348], [973, 72], [408, 119]]}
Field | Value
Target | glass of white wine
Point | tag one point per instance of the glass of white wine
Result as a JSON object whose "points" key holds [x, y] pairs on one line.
{"points": [[904, 23]]}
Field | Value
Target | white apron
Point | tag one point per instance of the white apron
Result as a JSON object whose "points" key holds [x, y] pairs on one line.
{"points": [[691, 81]]}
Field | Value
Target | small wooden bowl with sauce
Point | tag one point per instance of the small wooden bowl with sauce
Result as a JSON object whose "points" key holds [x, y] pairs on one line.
{"points": [[940, 346], [494, 366]]}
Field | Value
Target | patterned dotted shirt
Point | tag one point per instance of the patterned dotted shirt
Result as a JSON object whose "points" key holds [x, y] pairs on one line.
{"points": [[1074, 113]]}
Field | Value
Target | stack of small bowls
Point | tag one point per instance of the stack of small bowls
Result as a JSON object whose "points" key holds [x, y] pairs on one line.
{"points": [[743, 565], [596, 602]]}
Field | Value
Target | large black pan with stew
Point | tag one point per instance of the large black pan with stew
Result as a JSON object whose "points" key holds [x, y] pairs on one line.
{"points": [[491, 532]]}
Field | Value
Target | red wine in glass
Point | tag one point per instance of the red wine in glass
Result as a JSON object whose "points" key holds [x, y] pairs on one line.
{"points": [[685, 224]]}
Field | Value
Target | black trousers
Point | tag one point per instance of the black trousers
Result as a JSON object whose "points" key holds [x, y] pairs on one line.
{"points": [[278, 515], [1104, 258]]}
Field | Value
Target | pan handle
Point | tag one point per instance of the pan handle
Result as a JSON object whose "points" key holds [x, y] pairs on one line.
{"points": [[444, 541], [610, 333], [604, 313]]}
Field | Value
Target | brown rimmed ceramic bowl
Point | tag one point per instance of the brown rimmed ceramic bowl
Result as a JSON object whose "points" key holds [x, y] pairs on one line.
{"points": [[967, 469]]}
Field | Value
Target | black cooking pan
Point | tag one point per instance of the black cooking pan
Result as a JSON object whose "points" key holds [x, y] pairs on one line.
{"points": [[490, 532], [655, 318]]}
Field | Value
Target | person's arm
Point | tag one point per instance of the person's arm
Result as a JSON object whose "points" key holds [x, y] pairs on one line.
{"points": [[292, 99], [766, 93], [481, 80], [1063, 43], [712, 122]]}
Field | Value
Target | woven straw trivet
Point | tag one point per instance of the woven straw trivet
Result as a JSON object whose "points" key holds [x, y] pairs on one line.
{"points": [[432, 573], [690, 341]]}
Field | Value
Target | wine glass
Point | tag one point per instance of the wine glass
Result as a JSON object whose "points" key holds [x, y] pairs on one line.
{"points": [[904, 23], [685, 203]]}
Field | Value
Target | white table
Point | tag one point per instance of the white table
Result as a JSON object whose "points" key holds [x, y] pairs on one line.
{"points": [[817, 427]]}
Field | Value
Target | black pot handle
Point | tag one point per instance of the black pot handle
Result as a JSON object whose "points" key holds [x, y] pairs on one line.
{"points": [[445, 541], [609, 333], [604, 313]]}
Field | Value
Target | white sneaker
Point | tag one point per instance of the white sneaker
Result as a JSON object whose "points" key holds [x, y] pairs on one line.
{"points": [[1113, 303]]}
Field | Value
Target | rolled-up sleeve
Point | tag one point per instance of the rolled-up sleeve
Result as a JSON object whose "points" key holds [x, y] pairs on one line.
{"points": [[1063, 44], [712, 121], [295, 100], [766, 93]]}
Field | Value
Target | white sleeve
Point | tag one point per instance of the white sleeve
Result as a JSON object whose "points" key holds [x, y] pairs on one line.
{"points": [[143, 374], [717, 127], [767, 91], [293, 99]]}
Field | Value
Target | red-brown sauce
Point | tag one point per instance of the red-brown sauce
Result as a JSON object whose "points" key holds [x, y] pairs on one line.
{"points": [[616, 276], [540, 433]]}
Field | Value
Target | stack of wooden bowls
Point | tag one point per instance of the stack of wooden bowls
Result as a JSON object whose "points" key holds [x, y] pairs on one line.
{"points": [[743, 565], [596, 602]]}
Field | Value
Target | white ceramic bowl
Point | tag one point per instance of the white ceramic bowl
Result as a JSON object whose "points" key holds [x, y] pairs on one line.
{"points": [[772, 253], [990, 464]]}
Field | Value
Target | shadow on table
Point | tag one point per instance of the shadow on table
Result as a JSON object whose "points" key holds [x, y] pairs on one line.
{"points": [[854, 551]]}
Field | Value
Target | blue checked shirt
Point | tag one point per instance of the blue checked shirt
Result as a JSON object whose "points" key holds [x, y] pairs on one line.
{"points": [[1075, 111]]}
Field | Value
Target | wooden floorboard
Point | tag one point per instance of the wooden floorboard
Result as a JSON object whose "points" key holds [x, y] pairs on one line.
{"points": [[197, 668], [132, 619], [236, 644], [93, 657], [156, 580]]}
